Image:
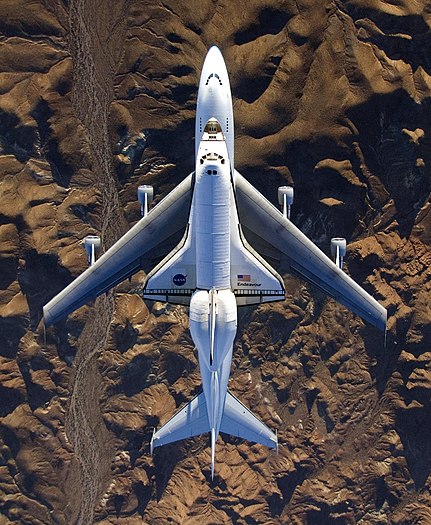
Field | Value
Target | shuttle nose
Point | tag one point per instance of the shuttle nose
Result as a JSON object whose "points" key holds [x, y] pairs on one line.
{"points": [[214, 58], [214, 51]]}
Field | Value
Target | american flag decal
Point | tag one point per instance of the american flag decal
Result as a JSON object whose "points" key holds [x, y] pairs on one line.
{"points": [[244, 278]]}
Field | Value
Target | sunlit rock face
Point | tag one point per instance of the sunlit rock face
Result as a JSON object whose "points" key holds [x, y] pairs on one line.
{"points": [[332, 97]]}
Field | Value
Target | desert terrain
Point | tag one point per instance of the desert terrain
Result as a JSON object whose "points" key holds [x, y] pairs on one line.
{"points": [[330, 96]]}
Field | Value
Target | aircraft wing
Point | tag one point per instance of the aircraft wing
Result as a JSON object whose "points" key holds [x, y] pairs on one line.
{"points": [[141, 247], [266, 228]]}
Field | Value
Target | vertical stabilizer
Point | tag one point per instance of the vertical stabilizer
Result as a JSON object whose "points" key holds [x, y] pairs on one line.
{"points": [[213, 440], [213, 305]]}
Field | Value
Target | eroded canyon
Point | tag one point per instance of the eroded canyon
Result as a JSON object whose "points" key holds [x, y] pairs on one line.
{"points": [[97, 97]]}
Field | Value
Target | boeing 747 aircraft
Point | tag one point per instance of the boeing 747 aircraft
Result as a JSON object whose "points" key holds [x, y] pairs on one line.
{"points": [[216, 267]]}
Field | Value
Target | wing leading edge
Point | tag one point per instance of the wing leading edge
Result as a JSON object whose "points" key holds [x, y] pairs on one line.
{"points": [[297, 253], [144, 244]]}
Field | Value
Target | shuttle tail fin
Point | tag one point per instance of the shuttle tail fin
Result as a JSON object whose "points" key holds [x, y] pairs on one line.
{"points": [[239, 421]]}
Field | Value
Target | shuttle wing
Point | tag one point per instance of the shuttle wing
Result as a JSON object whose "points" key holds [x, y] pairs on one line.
{"points": [[264, 226], [173, 280], [142, 247]]}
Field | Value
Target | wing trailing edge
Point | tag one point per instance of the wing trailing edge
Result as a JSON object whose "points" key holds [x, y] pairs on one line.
{"points": [[239, 421]]}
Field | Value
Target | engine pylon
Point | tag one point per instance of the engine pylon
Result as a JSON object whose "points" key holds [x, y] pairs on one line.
{"points": [[338, 250], [285, 199], [92, 247], [145, 196]]}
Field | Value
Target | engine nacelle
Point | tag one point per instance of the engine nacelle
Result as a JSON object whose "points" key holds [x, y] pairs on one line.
{"points": [[92, 247], [285, 199], [338, 250], [145, 196]]}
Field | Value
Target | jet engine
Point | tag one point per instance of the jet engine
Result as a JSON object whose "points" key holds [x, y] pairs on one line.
{"points": [[285, 199], [338, 250], [145, 196], [92, 247]]}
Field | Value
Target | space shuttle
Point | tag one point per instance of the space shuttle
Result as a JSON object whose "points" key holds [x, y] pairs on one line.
{"points": [[206, 245]]}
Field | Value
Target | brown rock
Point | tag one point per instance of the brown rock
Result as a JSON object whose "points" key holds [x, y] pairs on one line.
{"points": [[330, 97]]}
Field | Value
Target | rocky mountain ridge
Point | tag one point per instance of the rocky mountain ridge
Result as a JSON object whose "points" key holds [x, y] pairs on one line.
{"points": [[98, 97]]}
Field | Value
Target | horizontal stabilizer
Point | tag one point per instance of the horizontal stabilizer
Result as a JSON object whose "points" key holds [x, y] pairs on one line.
{"points": [[190, 421], [239, 421]]}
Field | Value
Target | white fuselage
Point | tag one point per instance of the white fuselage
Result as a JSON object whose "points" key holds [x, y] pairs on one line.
{"points": [[215, 100], [213, 308]]}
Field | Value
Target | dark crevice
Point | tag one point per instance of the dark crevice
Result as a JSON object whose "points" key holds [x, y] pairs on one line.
{"points": [[414, 428], [165, 460], [61, 169], [329, 515], [135, 374], [287, 485], [182, 71], [250, 89], [125, 338], [10, 399], [174, 38], [380, 122], [175, 365], [37, 396], [270, 21], [11, 331], [16, 138], [8, 272], [40, 279]]}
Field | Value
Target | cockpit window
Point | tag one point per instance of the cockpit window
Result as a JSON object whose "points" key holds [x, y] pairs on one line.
{"points": [[216, 76], [213, 157]]}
